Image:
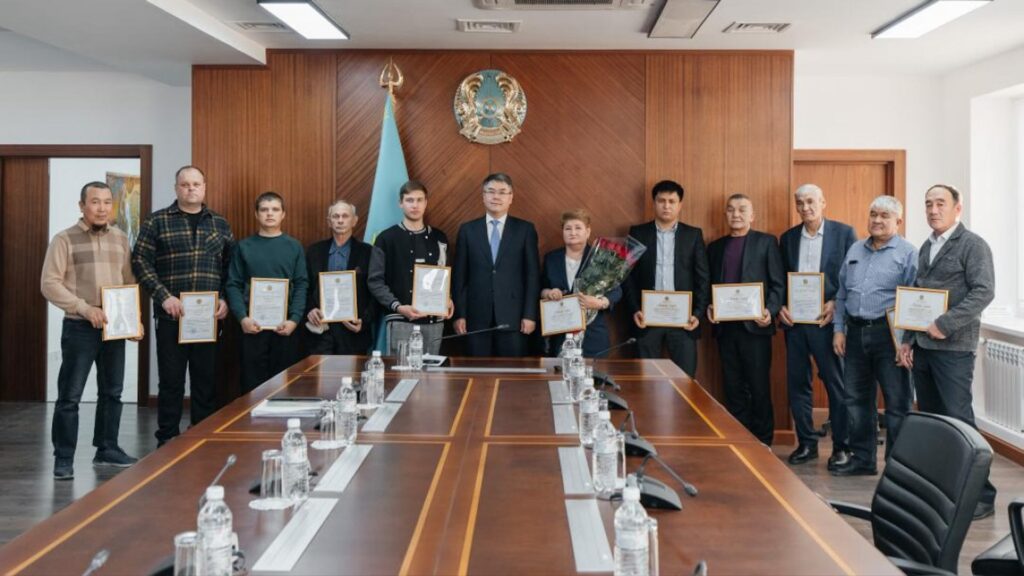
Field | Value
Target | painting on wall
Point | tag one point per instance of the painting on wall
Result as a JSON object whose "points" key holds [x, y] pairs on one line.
{"points": [[127, 189]]}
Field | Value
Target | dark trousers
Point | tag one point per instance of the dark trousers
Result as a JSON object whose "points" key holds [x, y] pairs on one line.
{"points": [[746, 368], [804, 341], [682, 347], [173, 360], [81, 345], [508, 343], [943, 380], [871, 359], [264, 355], [339, 340]]}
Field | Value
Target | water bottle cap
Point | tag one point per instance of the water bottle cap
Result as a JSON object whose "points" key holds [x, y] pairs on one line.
{"points": [[346, 381], [588, 382], [415, 328], [293, 423], [631, 494], [214, 493], [376, 353], [604, 415]]}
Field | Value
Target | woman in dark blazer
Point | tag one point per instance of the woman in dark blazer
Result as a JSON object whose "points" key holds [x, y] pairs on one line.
{"points": [[556, 282]]}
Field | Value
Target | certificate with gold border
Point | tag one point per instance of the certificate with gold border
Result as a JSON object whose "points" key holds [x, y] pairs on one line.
{"points": [[561, 316], [338, 299], [666, 309], [917, 308], [198, 322], [805, 296], [268, 302], [431, 287], [123, 309], [742, 301]]}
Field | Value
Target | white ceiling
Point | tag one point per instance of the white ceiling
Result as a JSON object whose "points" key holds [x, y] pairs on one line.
{"points": [[829, 36]]}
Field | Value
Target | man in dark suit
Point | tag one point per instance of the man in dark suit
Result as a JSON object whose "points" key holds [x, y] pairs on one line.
{"points": [[496, 277], [675, 260], [745, 347], [338, 253], [815, 246]]}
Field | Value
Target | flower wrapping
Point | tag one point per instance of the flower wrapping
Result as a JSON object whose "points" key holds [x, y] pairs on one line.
{"points": [[607, 266]]}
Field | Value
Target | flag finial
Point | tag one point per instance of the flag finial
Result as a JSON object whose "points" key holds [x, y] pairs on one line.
{"points": [[391, 77]]}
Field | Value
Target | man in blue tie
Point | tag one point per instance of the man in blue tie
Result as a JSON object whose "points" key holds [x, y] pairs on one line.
{"points": [[496, 276]]}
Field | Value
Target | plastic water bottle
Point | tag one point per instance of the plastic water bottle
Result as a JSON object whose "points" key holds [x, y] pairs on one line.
{"points": [[568, 346], [215, 535], [632, 537], [416, 349], [589, 403], [606, 455], [375, 393], [296, 463], [577, 372], [348, 412]]}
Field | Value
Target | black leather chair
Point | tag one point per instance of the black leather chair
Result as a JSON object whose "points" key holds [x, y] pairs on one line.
{"points": [[1006, 557], [925, 499]]}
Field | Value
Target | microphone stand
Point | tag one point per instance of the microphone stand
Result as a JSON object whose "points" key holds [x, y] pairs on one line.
{"points": [[636, 445], [481, 331], [655, 493]]}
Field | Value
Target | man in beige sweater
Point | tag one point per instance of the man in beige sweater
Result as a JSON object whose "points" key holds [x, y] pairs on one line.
{"points": [[79, 262]]}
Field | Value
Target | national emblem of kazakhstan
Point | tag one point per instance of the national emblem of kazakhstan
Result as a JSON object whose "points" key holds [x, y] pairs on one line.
{"points": [[490, 107]]}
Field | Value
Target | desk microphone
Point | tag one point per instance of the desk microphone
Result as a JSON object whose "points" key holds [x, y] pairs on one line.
{"points": [[97, 562], [636, 445], [655, 493], [494, 329], [228, 464], [616, 347]]}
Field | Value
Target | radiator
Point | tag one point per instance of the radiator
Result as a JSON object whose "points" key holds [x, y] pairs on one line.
{"points": [[1004, 384]]}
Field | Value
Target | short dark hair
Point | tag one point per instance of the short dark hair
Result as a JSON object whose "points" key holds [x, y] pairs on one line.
{"points": [[93, 184], [268, 197], [498, 177], [670, 186], [952, 191], [410, 187], [738, 196], [188, 167]]}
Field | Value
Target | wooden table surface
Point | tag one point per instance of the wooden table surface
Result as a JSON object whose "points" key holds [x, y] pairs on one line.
{"points": [[466, 479]]}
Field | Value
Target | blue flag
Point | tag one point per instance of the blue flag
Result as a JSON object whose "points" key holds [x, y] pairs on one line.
{"points": [[391, 174]]}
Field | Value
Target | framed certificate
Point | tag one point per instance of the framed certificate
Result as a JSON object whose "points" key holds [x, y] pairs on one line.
{"points": [[268, 302], [917, 308], [806, 296], [737, 301], [338, 300], [661, 308], [561, 316], [896, 333], [123, 309], [198, 322], [430, 289]]}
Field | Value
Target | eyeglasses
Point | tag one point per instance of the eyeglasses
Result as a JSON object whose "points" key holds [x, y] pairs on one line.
{"points": [[501, 193]]}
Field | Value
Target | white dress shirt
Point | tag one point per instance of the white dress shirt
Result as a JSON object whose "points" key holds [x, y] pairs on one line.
{"points": [[810, 249], [940, 241]]}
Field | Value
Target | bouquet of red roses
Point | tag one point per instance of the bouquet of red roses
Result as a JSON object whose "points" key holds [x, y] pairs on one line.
{"points": [[607, 266]]}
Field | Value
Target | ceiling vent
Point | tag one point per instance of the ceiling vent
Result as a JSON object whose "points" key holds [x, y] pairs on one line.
{"points": [[261, 26], [563, 4], [755, 28], [488, 26]]}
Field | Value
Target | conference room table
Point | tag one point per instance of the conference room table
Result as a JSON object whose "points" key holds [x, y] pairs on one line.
{"points": [[465, 478]]}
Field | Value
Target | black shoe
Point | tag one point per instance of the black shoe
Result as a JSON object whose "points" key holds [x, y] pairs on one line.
{"points": [[64, 469], [113, 457], [984, 510], [803, 453], [853, 469], [839, 459]]}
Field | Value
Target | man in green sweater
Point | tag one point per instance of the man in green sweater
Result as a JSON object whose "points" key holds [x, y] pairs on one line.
{"points": [[268, 254]]}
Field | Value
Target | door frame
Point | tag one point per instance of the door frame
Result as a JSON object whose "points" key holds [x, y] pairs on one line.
{"points": [[895, 162], [144, 152]]}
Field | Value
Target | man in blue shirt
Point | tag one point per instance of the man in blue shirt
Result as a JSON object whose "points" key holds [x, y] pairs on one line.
{"points": [[867, 288]]}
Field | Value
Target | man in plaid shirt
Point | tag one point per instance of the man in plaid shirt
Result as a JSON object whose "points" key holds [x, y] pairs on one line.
{"points": [[185, 247]]}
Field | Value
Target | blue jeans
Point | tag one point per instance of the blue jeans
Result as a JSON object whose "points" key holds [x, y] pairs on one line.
{"points": [[871, 358], [81, 345]]}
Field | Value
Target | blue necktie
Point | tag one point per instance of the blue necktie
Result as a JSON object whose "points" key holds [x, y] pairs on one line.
{"points": [[495, 240]]}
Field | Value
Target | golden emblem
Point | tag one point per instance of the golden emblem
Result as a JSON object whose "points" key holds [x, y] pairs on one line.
{"points": [[490, 107]]}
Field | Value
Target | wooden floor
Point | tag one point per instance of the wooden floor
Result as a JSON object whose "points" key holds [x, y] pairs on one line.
{"points": [[30, 494]]}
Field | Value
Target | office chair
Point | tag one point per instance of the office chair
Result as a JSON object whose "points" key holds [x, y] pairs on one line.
{"points": [[1006, 557]]}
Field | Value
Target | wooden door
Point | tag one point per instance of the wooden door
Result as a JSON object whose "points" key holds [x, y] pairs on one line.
{"points": [[850, 179]]}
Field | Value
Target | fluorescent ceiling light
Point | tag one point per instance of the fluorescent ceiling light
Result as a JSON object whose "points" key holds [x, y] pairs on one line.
{"points": [[306, 18], [927, 17]]}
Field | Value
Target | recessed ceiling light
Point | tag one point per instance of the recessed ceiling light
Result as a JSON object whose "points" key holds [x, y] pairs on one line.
{"points": [[927, 17], [306, 18]]}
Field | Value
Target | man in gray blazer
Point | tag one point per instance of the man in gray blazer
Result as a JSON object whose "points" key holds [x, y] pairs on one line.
{"points": [[942, 359]]}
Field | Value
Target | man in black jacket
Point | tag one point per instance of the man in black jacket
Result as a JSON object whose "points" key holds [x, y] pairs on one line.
{"points": [[745, 347], [497, 276], [338, 253], [675, 260]]}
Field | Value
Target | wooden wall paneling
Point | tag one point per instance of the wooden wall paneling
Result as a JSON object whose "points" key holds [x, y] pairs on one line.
{"points": [[26, 192]]}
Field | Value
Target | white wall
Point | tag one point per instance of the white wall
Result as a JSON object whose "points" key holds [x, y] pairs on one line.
{"points": [[876, 112], [101, 107]]}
